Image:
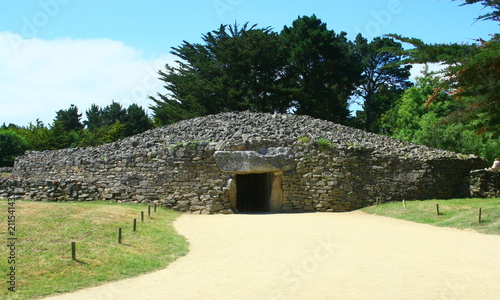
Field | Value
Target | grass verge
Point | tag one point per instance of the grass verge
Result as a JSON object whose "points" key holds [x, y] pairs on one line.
{"points": [[44, 233], [456, 213]]}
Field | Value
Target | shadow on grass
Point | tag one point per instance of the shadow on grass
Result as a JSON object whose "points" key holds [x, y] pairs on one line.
{"points": [[80, 261]]}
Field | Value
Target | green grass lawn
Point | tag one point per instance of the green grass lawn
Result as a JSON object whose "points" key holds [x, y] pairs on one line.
{"points": [[456, 213], [44, 233]]}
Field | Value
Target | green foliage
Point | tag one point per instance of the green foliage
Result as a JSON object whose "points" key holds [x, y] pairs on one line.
{"points": [[459, 111], [494, 15], [38, 136], [384, 79], [304, 139], [69, 119], [477, 83], [235, 69], [113, 113], [416, 119], [412, 111], [471, 73], [322, 71], [136, 120], [306, 68], [45, 264], [324, 143], [102, 135], [111, 123], [103, 125], [95, 118], [11, 145]]}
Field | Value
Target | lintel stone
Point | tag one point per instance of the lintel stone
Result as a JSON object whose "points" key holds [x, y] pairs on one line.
{"points": [[262, 161]]}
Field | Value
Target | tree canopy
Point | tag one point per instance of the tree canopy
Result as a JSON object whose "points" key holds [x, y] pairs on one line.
{"points": [[11, 145], [102, 125], [460, 109], [471, 73], [322, 71], [384, 79], [306, 68], [235, 69]]}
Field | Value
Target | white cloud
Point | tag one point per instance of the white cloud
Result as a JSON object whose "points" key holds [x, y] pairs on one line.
{"points": [[39, 77]]}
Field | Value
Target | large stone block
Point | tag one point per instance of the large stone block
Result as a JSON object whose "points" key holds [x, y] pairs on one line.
{"points": [[262, 161]]}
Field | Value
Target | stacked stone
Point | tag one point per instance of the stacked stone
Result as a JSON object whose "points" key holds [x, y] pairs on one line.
{"points": [[484, 183], [6, 170], [335, 168]]}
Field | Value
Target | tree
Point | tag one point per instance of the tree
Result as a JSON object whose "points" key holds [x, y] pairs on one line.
{"points": [[494, 15], [65, 127], [69, 118], [11, 146], [39, 136], [472, 74], [94, 118], [383, 78], [113, 113], [412, 113], [420, 121], [322, 71], [234, 69], [136, 120]]}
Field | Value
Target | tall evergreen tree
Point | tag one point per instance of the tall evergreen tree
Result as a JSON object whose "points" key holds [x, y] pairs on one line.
{"points": [[322, 71], [234, 69], [69, 118], [94, 118], [113, 113], [136, 120], [383, 79]]}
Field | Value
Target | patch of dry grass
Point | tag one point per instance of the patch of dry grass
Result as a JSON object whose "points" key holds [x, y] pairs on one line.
{"points": [[45, 231]]}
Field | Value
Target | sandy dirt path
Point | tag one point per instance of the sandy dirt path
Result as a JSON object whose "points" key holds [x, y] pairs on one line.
{"points": [[317, 256]]}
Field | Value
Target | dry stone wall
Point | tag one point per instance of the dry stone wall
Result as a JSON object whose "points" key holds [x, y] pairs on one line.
{"points": [[322, 166], [485, 183]]}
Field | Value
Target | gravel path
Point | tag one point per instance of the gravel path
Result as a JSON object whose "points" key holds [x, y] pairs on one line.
{"points": [[317, 256]]}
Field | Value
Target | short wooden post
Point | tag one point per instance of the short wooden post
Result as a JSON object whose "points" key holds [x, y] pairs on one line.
{"points": [[142, 216], [479, 217], [73, 250], [149, 210], [437, 209], [134, 228], [155, 208], [119, 235]]}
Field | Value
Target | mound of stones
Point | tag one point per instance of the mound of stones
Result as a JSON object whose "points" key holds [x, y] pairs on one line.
{"points": [[242, 131], [193, 166]]}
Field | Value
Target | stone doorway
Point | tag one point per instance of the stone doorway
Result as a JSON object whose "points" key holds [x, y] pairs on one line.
{"points": [[253, 192]]}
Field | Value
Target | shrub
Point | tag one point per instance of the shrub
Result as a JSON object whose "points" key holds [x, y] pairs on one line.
{"points": [[11, 146]]}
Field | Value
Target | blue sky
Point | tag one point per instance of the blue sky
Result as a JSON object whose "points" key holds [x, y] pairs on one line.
{"points": [[54, 53]]}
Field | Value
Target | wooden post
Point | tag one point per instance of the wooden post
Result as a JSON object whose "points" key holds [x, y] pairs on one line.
{"points": [[142, 216], [149, 210], [134, 228], [119, 235], [437, 209], [479, 218], [73, 250], [404, 204], [155, 208]]}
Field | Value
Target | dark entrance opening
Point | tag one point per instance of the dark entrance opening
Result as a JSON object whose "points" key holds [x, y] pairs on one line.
{"points": [[253, 192]]}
